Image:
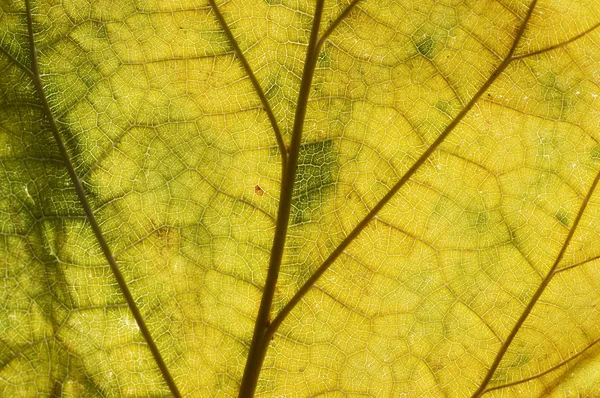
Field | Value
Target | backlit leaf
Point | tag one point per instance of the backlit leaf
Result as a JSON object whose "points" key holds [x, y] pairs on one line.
{"points": [[408, 187]]}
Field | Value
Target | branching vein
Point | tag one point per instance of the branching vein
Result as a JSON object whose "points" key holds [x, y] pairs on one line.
{"points": [[536, 296], [255, 83], [403, 180], [81, 194]]}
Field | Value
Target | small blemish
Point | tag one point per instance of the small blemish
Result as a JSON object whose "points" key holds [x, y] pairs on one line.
{"points": [[258, 190]]}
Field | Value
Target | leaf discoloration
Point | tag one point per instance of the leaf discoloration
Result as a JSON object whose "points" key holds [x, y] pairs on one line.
{"points": [[314, 179], [400, 197]]}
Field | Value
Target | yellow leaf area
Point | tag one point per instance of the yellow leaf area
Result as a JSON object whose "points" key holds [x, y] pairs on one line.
{"points": [[181, 167]]}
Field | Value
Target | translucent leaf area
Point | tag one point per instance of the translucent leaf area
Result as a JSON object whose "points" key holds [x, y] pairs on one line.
{"points": [[299, 198]]}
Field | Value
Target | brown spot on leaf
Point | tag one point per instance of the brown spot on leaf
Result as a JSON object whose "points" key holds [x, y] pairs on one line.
{"points": [[258, 190]]}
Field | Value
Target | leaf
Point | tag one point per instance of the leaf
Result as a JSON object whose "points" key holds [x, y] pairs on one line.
{"points": [[366, 198]]}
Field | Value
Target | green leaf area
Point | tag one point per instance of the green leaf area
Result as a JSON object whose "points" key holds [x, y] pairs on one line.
{"points": [[299, 198]]}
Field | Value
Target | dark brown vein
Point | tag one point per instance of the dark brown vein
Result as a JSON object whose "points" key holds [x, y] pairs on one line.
{"points": [[260, 341], [90, 214], [562, 44], [259, 345], [552, 369], [255, 83], [536, 296], [403, 180]]}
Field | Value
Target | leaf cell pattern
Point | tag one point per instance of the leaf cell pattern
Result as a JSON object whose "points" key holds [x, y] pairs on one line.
{"points": [[322, 198]]}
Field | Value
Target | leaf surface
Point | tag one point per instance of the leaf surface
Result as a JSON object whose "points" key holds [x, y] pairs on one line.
{"points": [[324, 198]]}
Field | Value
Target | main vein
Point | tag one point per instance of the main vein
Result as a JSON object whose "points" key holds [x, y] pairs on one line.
{"points": [[90, 214], [258, 349]]}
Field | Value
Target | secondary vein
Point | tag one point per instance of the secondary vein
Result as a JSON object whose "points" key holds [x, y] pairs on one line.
{"points": [[258, 347], [255, 83], [536, 296], [403, 180], [90, 214]]}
